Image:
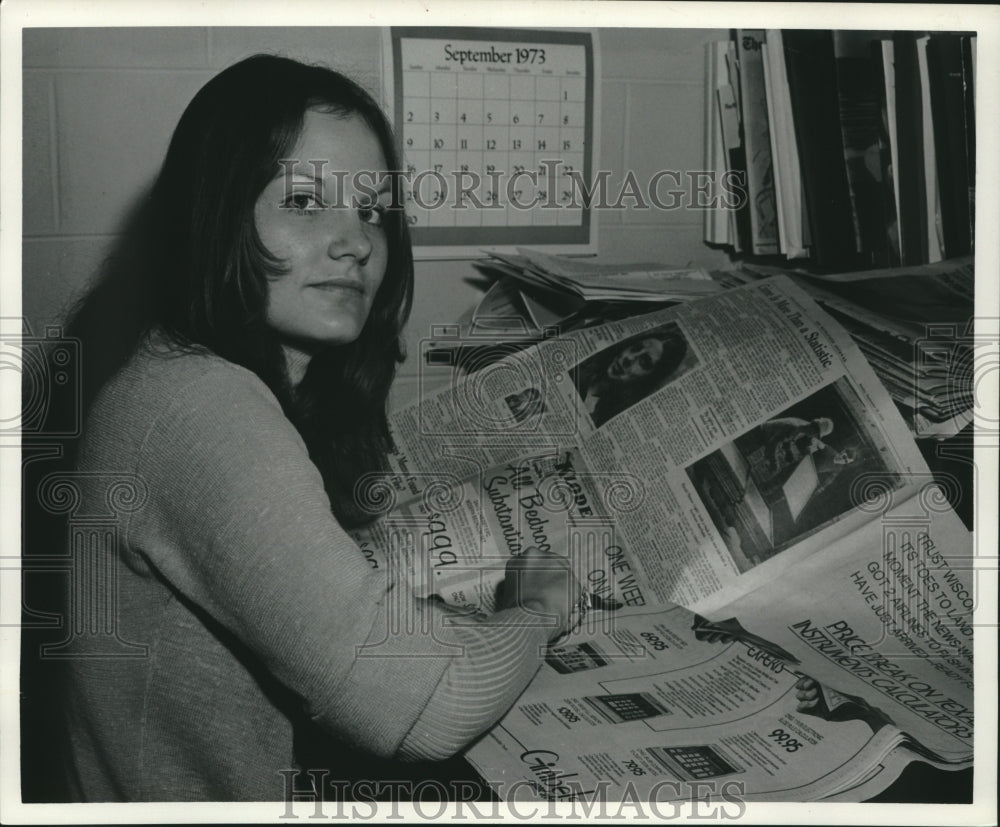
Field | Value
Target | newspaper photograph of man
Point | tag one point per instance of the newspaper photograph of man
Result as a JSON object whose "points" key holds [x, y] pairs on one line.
{"points": [[616, 378], [791, 475]]}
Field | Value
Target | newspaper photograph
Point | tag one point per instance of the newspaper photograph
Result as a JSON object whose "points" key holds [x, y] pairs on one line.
{"points": [[612, 380], [790, 475]]}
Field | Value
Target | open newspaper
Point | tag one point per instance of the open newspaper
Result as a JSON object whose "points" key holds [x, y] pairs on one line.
{"points": [[781, 598]]}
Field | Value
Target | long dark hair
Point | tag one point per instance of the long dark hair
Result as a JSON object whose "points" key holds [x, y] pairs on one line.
{"points": [[192, 265]]}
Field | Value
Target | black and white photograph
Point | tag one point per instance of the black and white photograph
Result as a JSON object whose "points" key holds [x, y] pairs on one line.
{"points": [[616, 378], [228, 234], [526, 404], [790, 475]]}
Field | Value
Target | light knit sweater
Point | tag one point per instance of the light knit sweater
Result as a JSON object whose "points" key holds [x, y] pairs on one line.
{"points": [[252, 602]]}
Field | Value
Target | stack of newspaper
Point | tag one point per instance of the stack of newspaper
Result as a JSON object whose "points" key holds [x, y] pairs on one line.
{"points": [[536, 296], [914, 325], [780, 603], [594, 281]]}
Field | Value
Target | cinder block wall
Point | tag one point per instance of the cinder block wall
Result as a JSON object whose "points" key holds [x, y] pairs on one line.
{"points": [[100, 105]]}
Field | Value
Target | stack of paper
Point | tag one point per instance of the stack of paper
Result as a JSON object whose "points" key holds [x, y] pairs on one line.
{"points": [[595, 281], [538, 295]]}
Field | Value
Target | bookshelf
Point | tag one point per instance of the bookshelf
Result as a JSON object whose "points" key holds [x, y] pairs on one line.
{"points": [[855, 149]]}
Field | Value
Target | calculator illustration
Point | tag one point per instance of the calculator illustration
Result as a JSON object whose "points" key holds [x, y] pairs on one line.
{"points": [[693, 763], [631, 706], [578, 658]]}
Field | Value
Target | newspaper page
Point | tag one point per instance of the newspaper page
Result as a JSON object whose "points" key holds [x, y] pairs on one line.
{"points": [[886, 616], [712, 445], [647, 711], [752, 445], [827, 682], [454, 541]]}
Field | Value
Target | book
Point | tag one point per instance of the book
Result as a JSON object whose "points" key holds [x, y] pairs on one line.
{"points": [[793, 218], [858, 106], [910, 151], [757, 142], [810, 62], [972, 55], [737, 168], [883, 64], [969, 85], [932, 189], [717, 228], [949, 97], [780, 196]]}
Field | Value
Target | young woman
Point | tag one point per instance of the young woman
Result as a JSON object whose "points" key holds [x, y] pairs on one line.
{"points": [[238, 354]]}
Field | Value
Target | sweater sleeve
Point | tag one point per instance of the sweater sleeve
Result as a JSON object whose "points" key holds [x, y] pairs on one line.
{"points": [[238, 523], [500, 655]]}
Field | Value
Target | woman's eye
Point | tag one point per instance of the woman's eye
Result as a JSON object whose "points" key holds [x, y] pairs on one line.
{"points": [[303, 203], [372, 213]]}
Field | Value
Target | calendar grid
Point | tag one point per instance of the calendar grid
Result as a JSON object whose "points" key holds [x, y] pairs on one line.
{"points": [[491, 123]]}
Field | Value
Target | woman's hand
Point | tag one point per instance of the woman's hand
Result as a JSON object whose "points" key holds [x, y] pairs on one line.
{"points": [[541, 582]]}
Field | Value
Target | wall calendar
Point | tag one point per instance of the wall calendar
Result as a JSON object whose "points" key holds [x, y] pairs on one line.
{"points": [[498, 134]]}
